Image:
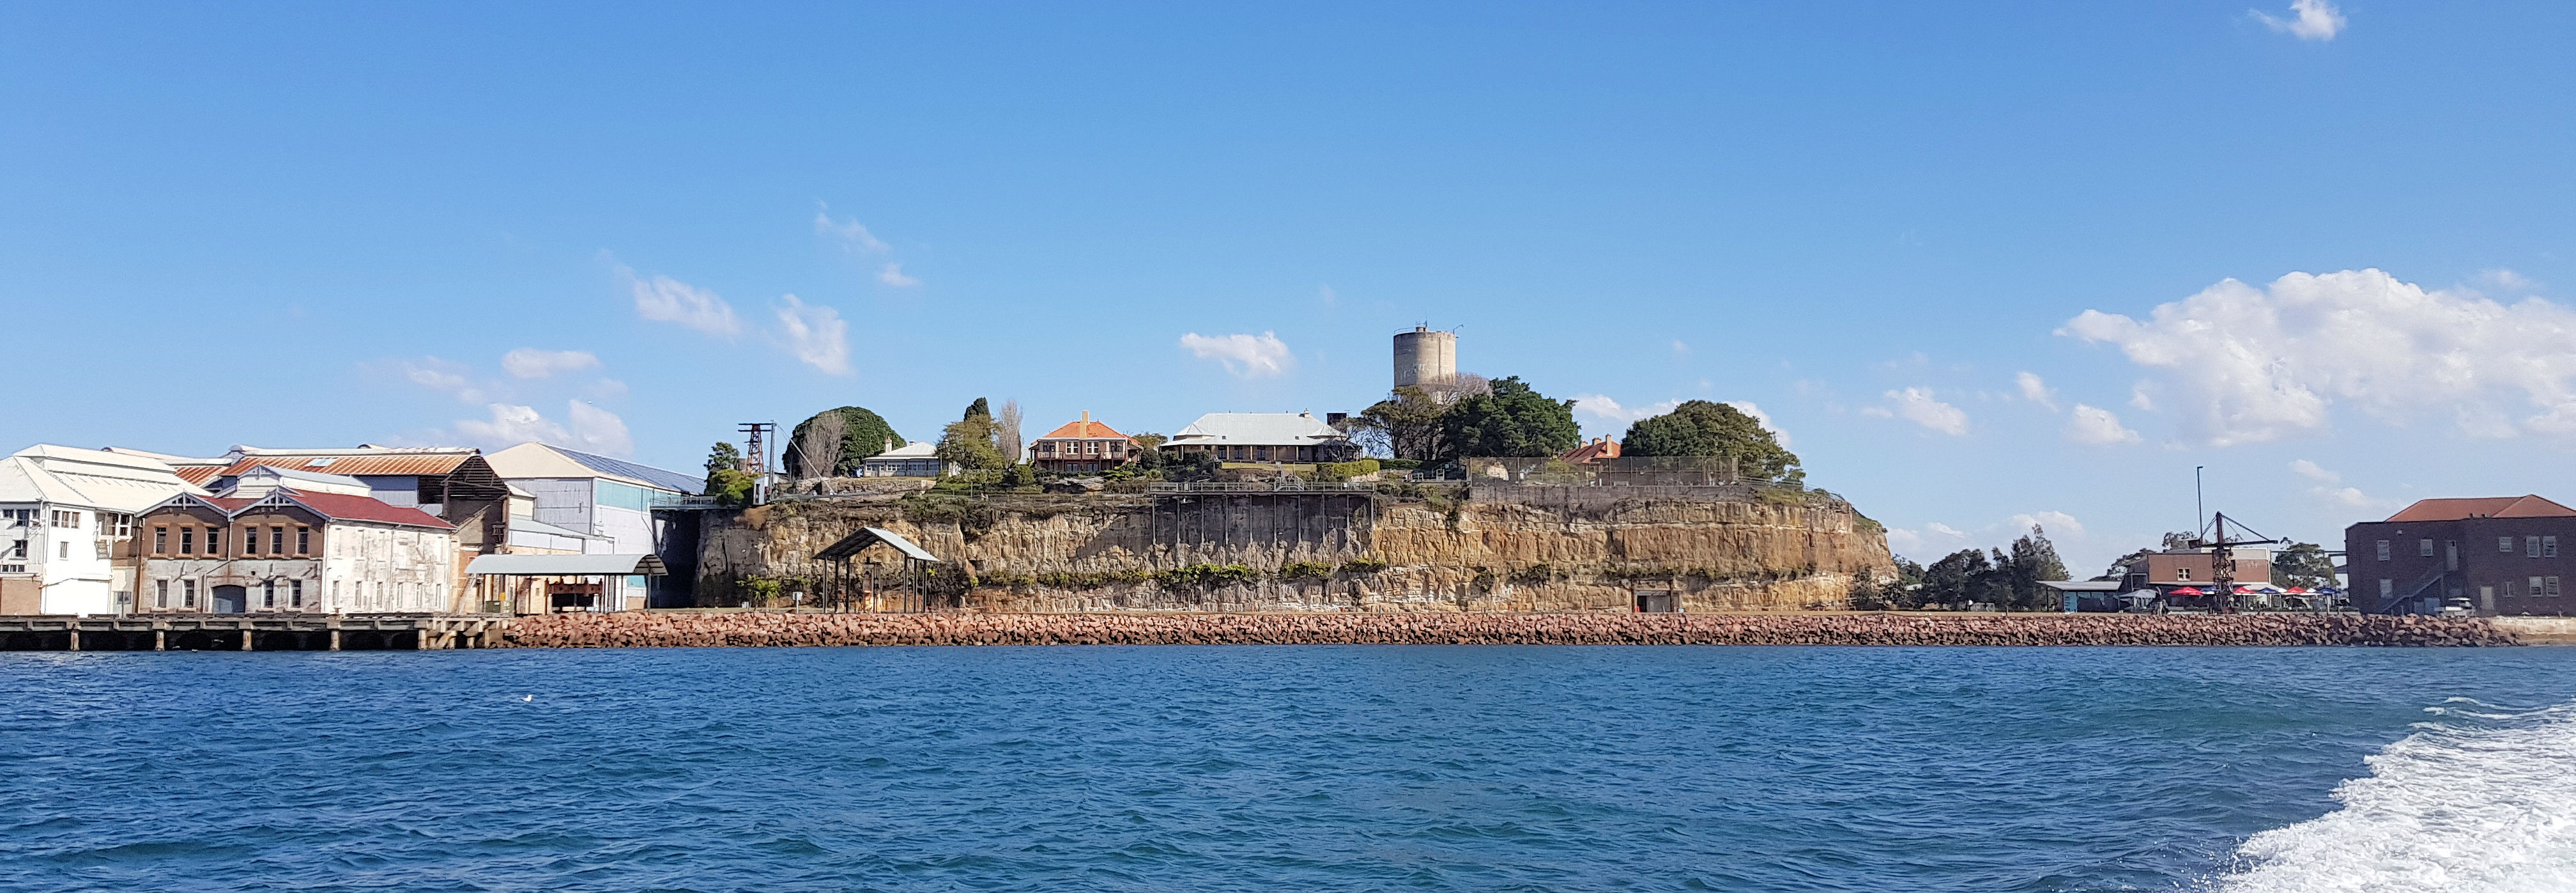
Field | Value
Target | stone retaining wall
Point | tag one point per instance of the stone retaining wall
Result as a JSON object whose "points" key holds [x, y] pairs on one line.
{"points": [[758, 628]]}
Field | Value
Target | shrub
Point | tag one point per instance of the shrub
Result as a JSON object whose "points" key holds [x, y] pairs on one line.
{"points": [[1343, 471], [1305, 570], [1400, 464], [1207, 576], [1363, 566]]}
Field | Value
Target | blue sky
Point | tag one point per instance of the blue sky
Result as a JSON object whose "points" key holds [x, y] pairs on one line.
{"points": [[1881, 224]]}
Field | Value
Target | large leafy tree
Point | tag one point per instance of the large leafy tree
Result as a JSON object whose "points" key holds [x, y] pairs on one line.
{"points": [[1404, 426], [1704, 428], [2303, 564], [2033, 559], [726, 481], [973, 442], [1511, 419], [863, 434]]}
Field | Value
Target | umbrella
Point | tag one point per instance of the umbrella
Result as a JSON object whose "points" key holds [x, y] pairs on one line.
{"points": [[2186, 591], [2299, 590]]}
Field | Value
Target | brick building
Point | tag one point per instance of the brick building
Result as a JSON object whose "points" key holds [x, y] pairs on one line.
{"points": [[2498, 553], [1081, 447]]}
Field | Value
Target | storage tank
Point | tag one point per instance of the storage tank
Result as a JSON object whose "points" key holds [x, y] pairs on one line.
{"points": [[1423, 356]]}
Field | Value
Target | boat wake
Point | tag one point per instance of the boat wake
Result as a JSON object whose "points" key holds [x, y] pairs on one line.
{"points": [[2481, 798]]}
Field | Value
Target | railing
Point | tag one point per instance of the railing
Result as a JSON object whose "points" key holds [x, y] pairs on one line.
{"points": [[1287, 486]]}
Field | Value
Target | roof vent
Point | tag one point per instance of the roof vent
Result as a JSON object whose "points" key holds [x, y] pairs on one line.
{"points": [[318, 463]]}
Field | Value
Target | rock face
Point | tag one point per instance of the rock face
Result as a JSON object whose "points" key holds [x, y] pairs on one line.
{"points": [[1413, 549], [770, 628]]}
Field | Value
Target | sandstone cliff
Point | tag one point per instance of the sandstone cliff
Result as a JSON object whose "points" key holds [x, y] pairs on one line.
{"points": [[1515, 548]]}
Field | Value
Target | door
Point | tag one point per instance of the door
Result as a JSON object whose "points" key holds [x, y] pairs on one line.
{"points": [[230, 599], [1656, 601], [2451, 556]]}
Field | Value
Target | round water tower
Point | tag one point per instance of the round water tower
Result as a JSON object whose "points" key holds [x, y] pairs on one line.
{"points": [[1423, 356]]}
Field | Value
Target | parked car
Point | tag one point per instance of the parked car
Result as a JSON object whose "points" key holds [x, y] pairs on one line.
{"points": [[2458, 607]]}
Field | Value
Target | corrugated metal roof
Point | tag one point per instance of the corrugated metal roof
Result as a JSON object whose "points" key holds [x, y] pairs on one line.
{"points": [[566, 565], [388, 464], [670, 480]]}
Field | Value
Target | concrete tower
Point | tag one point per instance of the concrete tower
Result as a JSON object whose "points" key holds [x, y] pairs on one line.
{"points": [[1423, 357]]}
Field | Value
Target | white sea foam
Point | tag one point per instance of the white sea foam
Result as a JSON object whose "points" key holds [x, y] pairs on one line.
{"points": [[2483, 800]]}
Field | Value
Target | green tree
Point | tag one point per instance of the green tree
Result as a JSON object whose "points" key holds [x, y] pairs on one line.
{"points": [[2120, 566], [1703, 428], [726, 481], [1406, 425], [2033, 559], [2303, 564], [863, 434], [1967, 575], [972, 442], [1511, 419]]}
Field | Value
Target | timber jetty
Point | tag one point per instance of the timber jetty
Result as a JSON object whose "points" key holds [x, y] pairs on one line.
{"points": [[251, 632]]}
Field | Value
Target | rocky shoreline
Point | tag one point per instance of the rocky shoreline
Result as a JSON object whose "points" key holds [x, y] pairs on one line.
{"points": [[778, 628]]}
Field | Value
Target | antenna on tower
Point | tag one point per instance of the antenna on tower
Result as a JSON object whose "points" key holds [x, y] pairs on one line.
{"points": [[755, 456]]}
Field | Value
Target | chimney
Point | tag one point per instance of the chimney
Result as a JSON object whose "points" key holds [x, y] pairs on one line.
{"points": [[1086, 415]]}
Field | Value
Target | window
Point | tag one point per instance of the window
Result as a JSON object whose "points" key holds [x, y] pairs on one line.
{"points": [[250, 541], [2553, 587], [161, 542], [214, 540], [2508, 588], [2531, 547], [2183, 574], [187, 541], [295, 594], [2383, 550], [2387, 587], [277, 541], [101, 546], [18, 550], [161, 593], [67, 520], [268, 594], [65, 551], [2548, 547], [303, 541], [2539, 586], [2427, 548], [2504, 544], [188, 594]]}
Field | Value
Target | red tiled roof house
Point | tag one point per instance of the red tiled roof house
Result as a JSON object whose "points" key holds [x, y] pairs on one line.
{"points": [[1081, 447]]}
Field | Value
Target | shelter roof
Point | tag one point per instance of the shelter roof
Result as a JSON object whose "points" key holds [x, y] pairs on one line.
{"points": [[919, 449], [859, 540], [2082, 585], [2526, 506], [566, 565], [1263, 428]]}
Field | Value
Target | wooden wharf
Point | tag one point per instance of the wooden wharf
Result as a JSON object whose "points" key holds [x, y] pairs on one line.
{"points": [[250, 632]]}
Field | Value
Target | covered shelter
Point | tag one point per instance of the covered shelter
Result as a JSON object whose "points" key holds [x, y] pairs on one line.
{"points": [[870, 584], [574, 582], [2086, 595]]}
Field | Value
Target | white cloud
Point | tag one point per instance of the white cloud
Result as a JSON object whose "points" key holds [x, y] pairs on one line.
{"points": [[1933, 541], [444, 376], [2095, 426], [1244, 356], [1680, 349], [893, 275], [599, 431], [1602, 407], [529, 362], [1918, 406], [2507, 280], [2313, 471], [815, 334], [849, 233], [2035, 390], [664, 299], [593, 429], [2327, 489], [2245, 364], [1327, 295], [2056, 523], [2309, 20]]}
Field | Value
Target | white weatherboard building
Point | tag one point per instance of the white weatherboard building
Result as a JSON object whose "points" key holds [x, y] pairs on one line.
{"points": [[67, 527], [609, 500], [1264, 437]]}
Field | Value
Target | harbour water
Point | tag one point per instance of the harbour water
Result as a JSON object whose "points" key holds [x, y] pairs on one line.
{"points": [[1292, 768]]}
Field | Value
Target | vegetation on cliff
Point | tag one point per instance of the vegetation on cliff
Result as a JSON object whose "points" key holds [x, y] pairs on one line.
{"points": [[1704, 428], [831, 443]]}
